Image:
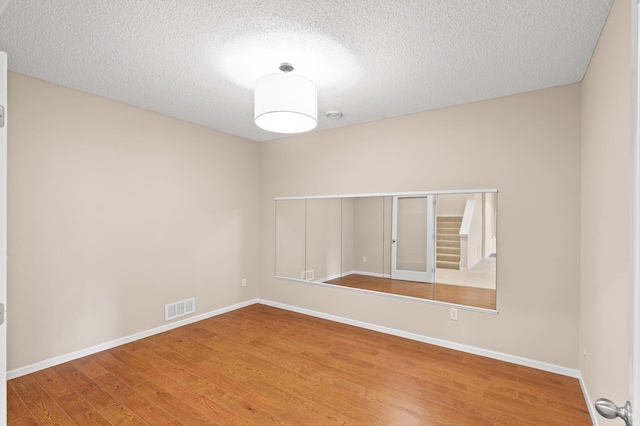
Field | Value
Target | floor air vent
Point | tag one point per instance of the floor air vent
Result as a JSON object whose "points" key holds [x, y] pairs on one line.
{"points": [[179, 309]]}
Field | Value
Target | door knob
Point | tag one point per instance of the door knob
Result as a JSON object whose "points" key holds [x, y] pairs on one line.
{"points": [[609, 410]]}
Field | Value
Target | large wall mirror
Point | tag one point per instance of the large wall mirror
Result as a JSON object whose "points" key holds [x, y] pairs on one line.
{"points": [[438, 246]]}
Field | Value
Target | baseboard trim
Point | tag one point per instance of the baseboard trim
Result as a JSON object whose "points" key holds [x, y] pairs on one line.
{"points": [[552, 368], [329, 278], [371, 274], [590, 406], [12, 374], [346, 274]]}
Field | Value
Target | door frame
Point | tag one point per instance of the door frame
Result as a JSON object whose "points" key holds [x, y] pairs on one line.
{"points": [[634, 287], [3, 236], [400, 274]]}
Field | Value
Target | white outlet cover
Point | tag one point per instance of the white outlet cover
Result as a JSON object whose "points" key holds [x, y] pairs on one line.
{"points": [[453, 314]]}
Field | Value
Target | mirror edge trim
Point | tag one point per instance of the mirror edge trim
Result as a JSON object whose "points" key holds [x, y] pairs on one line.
{"points": [[391, 194], [397, 296]]}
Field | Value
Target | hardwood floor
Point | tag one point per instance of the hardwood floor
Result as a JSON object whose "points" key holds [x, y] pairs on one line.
{"points": [[261, 365], [461, 295]]}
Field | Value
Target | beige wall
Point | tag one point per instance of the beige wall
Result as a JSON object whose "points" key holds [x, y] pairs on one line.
{"points": [[532, 142], [323, 253], [290, 239], [452, 204], [348, 239], [369, 235], [605, 206], [115, 211]]}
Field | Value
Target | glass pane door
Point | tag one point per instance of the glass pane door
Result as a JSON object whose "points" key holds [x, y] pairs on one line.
{"points": [[412, 249]]}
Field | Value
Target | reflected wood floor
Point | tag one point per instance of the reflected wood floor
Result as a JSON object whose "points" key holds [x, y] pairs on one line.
{"points": [[461, 295], [260, 365]]}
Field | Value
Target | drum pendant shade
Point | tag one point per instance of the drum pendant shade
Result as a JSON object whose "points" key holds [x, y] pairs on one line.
{"points": [[286, 103]]}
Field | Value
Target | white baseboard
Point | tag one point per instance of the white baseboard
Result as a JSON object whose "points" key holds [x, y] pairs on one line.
{"points": [[552, 368], [331, 277], [590, 406], [12, 374], [387, 330], [346, 274], [371, 274]]}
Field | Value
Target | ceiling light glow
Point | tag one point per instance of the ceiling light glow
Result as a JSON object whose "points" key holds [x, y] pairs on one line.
{"points": [[248, 57]]}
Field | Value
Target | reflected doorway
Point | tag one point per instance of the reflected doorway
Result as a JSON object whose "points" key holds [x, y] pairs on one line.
{"points": [[466, 240], [413, 239]]}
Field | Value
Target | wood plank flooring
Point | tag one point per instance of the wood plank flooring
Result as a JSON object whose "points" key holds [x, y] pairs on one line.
{"points": [[461, 295], [261, 365]]}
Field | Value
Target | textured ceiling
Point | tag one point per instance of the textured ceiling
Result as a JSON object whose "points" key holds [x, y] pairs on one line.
{"points": [[198, 60]]}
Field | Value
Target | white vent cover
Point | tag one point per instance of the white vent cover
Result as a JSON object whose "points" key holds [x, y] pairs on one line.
{"points": [[307, 275], [179, 309]]}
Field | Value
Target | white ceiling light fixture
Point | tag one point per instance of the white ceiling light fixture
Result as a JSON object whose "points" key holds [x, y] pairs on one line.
{"points": [[286, 103]]}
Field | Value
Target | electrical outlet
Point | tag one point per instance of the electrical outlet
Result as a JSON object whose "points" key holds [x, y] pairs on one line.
{"points": [[453, 314], [364, 259], [244, 282]]}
